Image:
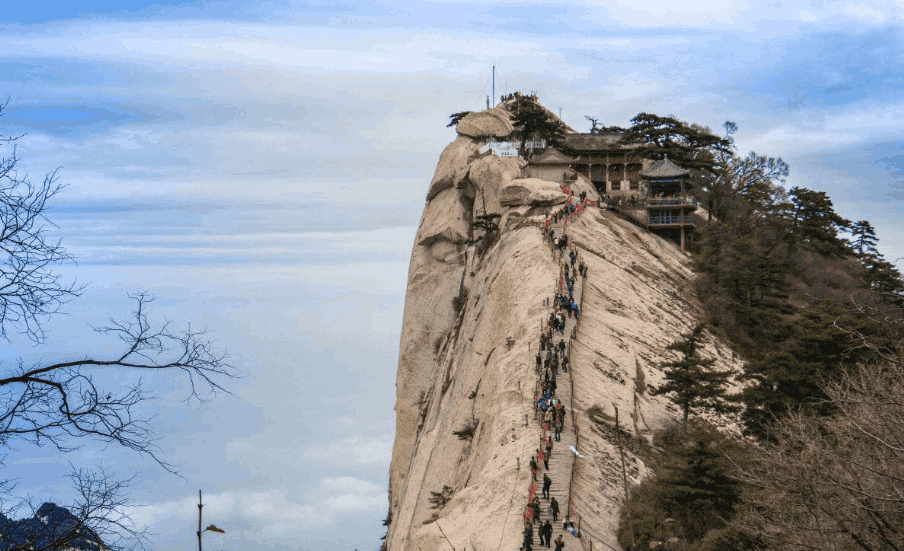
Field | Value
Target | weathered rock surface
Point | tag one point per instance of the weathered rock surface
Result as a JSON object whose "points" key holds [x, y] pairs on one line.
{"points": [[453, 164], [446, 217], [456, 367], [532, 191], [487, 176], [492, 123]]}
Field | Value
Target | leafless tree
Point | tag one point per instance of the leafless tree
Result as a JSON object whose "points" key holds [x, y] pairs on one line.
{"points": [[60, 404], [63, 404], [95, 520], [837, 483], [29, 290]]}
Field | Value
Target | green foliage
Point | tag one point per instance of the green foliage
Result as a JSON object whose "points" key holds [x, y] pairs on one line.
{"points": [[744, 188], [791, 376], [879, 276], [489, 225], [693, 486], [467, 431], [865, 240], [438, 500], [647, 516], [455, 118], [459, 301], [690, 379], [531, 120], [689, 145], [884, 279], [816, 223]]}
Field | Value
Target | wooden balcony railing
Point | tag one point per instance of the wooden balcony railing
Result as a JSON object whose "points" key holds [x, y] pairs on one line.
{"points": [[666, 220], [671, 202]]}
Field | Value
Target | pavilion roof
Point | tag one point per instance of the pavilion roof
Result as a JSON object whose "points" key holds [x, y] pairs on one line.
{"points": [[552, 156], [592, 142], [664, 169]]}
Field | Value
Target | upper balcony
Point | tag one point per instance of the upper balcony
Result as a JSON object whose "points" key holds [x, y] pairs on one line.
{"points": [[673, 202], [675, 221]]}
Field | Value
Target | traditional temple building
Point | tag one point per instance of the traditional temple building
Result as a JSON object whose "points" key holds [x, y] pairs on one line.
{"points": [[669, 203], [655, 194], [552, 165], [613, 169]]}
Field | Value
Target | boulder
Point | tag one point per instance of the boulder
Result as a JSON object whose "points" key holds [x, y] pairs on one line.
{"points": [[489, 175], [531, 191], [491, 123], [452, 162], [445, 218]]}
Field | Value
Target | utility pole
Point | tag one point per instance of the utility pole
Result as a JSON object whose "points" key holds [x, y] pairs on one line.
{"points": [[210, 528]]}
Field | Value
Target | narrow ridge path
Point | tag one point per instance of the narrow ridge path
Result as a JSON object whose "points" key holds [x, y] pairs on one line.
{"points": [[561, 460]]}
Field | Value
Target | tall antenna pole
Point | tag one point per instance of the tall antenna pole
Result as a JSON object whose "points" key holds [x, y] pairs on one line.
{"points": [[494, 85]]}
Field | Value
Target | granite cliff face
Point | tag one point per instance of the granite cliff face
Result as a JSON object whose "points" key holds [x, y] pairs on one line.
{"points": [[473, 317]]}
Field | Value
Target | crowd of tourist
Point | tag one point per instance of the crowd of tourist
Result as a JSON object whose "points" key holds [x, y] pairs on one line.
{"points": [[552, 358]]}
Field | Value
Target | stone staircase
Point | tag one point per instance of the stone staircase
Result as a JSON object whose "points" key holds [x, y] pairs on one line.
{"points": [[561, 459]]}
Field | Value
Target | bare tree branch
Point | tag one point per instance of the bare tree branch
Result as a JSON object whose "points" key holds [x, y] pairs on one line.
{"points": [[29, 291], [63, 404]]}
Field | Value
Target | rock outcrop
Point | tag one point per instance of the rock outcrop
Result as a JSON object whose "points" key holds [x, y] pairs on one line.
{"points": [[492, 123], [474, 310]]}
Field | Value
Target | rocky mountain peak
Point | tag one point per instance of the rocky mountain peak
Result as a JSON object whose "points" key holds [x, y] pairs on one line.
{"points": [[485, 278]]}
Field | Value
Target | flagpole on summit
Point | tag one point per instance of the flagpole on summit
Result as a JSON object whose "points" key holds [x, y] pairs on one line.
{"points": [[494, 85]]}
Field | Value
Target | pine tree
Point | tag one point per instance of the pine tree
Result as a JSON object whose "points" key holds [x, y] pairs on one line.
{"points": [[792, 375], [692, 493], [691, 380], [865, 239], [879, 275], [816, 223], [695, 485], [883, 278], [531, 119]]}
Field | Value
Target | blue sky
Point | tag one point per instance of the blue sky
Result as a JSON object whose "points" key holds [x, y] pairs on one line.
{"points": [[261, 168]]}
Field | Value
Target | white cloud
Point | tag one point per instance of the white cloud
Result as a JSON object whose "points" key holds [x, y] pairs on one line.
{"points": [[665, 12], [863, 11], [273, 511], [356, 450]]}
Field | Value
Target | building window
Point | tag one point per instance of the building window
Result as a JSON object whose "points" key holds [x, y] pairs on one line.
{"points": [[634, 184], [616, 185]]}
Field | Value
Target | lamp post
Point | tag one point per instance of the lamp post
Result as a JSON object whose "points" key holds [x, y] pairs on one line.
{"points": [[210, 528]]}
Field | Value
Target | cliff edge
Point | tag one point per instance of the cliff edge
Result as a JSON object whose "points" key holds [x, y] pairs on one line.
{"points": [[477, 302]]}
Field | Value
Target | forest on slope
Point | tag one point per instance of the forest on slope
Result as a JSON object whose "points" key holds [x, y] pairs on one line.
{"points": [[815, 309]]}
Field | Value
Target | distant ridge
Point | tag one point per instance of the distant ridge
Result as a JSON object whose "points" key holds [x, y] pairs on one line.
{"points": [[51, 523]]}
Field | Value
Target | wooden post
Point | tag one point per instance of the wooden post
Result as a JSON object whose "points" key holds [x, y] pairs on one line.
{"points": [[200, 505], [444, 536]]}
